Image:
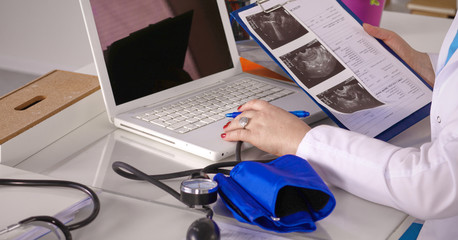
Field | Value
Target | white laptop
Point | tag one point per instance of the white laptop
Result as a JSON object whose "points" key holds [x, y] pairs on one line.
{"points": [[169, 70]]}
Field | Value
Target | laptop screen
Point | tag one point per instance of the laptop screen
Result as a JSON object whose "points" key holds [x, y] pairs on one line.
{"points": [[153, 45]]}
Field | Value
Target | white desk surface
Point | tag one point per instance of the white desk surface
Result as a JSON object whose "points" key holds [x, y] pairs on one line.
{"points": [[141, 211]]}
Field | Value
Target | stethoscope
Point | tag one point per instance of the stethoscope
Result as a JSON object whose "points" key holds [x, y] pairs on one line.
{"points": [[65, 229], [197, 191]]}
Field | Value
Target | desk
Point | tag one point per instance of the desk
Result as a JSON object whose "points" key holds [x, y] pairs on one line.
{"points": [[140, 211]]}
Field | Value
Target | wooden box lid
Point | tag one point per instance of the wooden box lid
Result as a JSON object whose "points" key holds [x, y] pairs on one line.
{"points": [[42, 98]]}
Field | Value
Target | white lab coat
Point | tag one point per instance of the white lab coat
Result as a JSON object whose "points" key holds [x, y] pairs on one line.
{"points": [[422, 182]]}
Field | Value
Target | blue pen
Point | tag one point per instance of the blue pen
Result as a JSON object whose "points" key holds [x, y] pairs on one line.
{"points": [[300, 114]]}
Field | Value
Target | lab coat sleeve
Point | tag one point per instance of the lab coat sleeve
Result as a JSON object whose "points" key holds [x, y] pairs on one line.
{"points": [[419, 181]]}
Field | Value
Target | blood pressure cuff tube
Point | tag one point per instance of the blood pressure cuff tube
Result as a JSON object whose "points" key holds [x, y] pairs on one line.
{"points": [[285, 195]]}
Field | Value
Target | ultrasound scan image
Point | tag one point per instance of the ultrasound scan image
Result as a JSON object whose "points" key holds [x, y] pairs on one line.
{"points": [[312, 64], [276, 28], [348, 97]]}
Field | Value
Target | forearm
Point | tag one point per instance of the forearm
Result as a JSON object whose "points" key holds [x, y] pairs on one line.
{"points": [[424, 67]]}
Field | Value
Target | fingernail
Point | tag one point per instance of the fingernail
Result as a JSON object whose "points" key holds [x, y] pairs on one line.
{"points": [[227, 124], [239, 107], [223, 135]]}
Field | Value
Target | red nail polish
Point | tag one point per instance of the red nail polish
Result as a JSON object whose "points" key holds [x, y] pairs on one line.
{"points": [[223, 135], [227, 124], [239, 107]]}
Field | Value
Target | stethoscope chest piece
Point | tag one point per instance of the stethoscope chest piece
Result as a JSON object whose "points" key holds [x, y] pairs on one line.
{"points": [[199, 191]]}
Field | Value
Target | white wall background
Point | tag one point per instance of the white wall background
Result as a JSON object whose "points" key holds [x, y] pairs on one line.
{"points": [[37, 36]]}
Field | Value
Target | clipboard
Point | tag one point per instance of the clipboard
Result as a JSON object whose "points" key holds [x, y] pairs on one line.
{"points": [[277, 52]]}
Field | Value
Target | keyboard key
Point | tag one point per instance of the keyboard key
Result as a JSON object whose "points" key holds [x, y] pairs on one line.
{"points": [[217, 117], [177, 125], [159, 123], [192, 120], [207, 120], [183, 130]]}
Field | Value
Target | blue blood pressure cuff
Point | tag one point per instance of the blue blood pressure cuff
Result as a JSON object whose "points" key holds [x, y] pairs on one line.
{"points": [[284, 195]]}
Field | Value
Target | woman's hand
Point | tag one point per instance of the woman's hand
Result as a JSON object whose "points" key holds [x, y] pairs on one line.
{"points": [[269, 128], [418, 61]]}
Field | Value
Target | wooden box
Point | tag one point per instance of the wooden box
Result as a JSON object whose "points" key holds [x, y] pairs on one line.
{"points": [[44, 110]]}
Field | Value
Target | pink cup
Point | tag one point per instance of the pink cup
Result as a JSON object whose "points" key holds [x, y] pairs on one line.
{"points": [[368, 13]]}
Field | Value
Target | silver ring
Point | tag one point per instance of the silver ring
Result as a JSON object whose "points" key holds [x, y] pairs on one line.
{"points": [[243, 121]]}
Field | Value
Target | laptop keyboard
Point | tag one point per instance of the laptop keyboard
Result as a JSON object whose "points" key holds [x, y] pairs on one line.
{"points": [[198, 111]]}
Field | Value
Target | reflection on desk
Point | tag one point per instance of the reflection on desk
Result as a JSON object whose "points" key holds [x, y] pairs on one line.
{"points": [[353, 218]]}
